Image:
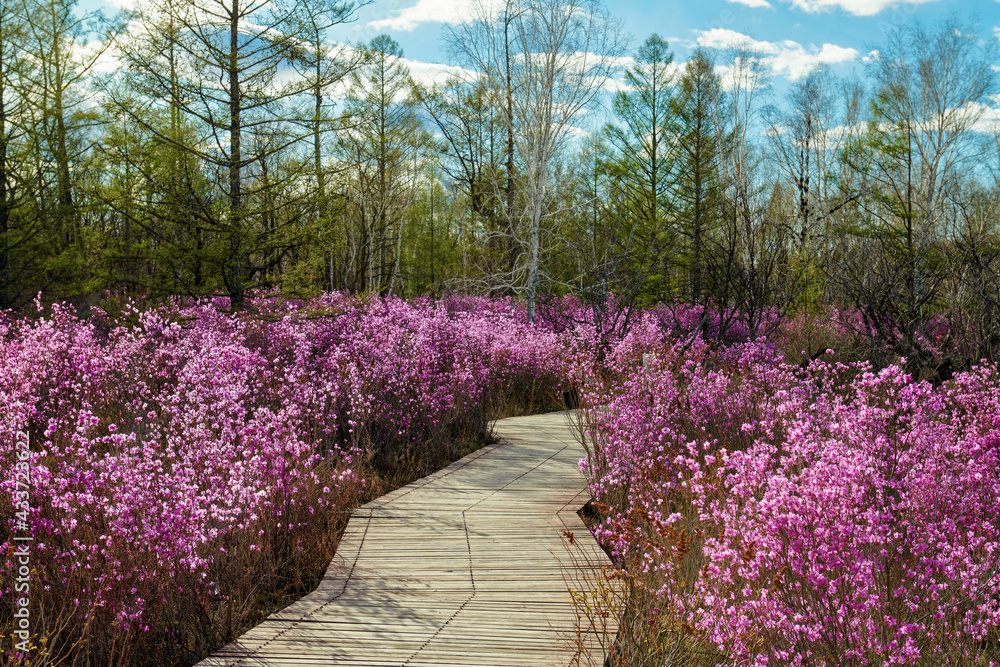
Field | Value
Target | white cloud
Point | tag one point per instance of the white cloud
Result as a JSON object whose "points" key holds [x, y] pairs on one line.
{"points": [[101, 59], [425, 11], [763, 4], [787, 58], [987, 117], [428, 74], [723, 38], [856, 7], [423, 73], [795, 62]]}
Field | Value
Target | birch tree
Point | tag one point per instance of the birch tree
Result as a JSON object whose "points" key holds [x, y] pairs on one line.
{"points": [[553, 60], [931, 90], [808, 140]]}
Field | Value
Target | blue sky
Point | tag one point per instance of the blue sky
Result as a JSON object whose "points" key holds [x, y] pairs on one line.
{"points": [[797, 34], [794, 35]]}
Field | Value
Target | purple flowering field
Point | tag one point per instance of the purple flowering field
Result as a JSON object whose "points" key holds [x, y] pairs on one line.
{"points": [[185, 462], [190, 469], [820, 513]]}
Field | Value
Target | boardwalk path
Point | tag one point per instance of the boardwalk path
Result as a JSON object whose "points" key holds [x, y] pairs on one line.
{"points": [[462, 567]]}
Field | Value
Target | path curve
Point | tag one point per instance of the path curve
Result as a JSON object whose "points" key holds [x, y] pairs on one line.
{"points": [[462, 567]]}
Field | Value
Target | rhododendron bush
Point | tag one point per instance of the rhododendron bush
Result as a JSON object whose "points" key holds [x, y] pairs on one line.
{"points": [[761, 513], [185, 462], [191, 468]]}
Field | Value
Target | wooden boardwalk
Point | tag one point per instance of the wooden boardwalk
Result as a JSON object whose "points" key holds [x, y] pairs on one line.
{"points": [[463, 567]]}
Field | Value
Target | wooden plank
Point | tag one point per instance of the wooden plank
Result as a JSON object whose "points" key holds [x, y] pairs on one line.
{"points": [[466, 566]]}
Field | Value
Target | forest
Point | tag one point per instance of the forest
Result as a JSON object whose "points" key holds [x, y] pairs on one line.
{"points": [[233, 147]]}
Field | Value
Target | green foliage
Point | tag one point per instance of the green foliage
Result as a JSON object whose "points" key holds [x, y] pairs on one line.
{"points": [[698, 189]]}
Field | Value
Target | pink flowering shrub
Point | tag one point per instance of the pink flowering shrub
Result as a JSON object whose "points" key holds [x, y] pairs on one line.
{"points": [[765, 514], [934, 348], [189, 467], [810, 334]]}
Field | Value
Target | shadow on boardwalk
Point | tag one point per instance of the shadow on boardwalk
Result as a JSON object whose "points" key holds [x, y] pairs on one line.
{"points": [[463, 567]]}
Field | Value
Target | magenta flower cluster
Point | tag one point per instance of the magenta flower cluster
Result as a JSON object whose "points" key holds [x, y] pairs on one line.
{"points": [[163, 439], [831, 515]]}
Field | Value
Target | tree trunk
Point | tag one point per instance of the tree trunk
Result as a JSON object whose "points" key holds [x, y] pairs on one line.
{"points": [[4, 194], [511, 220], [234, 282], [537, 193]]}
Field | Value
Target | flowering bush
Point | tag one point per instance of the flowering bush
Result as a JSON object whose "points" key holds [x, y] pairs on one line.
{"points": [[934, 348], [191, 468], [830, 515], [190, 465]]}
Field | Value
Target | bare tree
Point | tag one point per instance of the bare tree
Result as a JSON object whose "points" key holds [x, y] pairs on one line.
{"points": [[472, 152], [931, 89], [746, 262], [808, 140], [490, 30], [551, 63]]}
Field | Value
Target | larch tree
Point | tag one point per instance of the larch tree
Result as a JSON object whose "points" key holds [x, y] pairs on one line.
{"points": [[219, 65], [322, 64], [697, 188], [380, 147], [643, 159], [59, 57], [11, 111]]}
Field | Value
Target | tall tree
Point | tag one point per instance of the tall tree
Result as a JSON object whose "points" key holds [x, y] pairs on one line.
{"points": [[749, 263], [381, 148], [216, 66], [808, 140], [643, 136], [11, 107], [697, 190], [556, 60], [322, 64], [492, 31], [644, 152], [931, 89], [472, 153], [52, 82]]}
